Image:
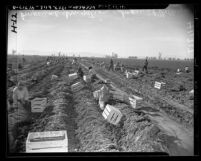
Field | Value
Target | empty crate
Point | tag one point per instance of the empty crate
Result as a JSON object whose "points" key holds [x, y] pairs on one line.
{"points": [[49, 141], [134, 101], [129, 75], [38, 104], [158, 85], [112, 114], [77, 86], [73, 76], [96, 94]]}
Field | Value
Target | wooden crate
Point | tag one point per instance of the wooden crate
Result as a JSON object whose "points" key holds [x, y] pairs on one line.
{"points": [[112, 114], [73, 76], [159, 85], [38, 104], [77, 86], [48, 141], [134, 101], [96, 94]]}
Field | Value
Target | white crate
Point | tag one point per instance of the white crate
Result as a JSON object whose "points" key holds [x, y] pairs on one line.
{"points": [[192, 91], [73, 76], [96, 94], [112, 114], [49, 141], [38, 104], [157, 85], [134, 101], [129, 75], [137, 98], [54, 77], [87, 78], [77, 86], [135, 73]]}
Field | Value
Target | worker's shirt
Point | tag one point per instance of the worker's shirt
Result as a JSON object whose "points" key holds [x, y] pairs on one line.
{"points": [[91, 72], [20, 95], [146, 63], [104, 94]]}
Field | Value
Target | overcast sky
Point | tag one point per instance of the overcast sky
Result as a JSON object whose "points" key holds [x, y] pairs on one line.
{"points": [[126, 32]]}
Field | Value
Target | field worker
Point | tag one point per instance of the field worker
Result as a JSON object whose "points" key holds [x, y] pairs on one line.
{"points": [[103, 97], [111, 65], [80, 72], [186, 69], [20, 95], [10, 83], [20, 112], [122, 68], [73, 61], [145, 66], [92, 74], [102, 64], [117, 66], [35, 78], [178, 70]]}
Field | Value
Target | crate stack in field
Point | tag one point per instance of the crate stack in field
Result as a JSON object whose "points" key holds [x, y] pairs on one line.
{"points": [[38, 104], [112, 114], [77, 86], [48, 141]]}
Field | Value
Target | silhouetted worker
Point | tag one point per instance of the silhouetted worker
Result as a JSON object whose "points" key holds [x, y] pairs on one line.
{"points": [[111, 65], [186, 69], [80, 72], [145, 66], [23, 60], [122, 68], [117, 67], [92, 74], [21, 110]]}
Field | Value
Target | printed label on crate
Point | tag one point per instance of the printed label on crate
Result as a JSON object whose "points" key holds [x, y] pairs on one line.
{"points": [[157, 85], [50, 141]]}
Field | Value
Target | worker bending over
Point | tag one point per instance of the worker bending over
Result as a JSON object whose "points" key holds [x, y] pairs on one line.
{"points": [[20, 113], [80, 72], [92, 74]]}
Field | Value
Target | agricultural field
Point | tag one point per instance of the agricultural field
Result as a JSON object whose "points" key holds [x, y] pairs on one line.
{"points": [[163, 121]]}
